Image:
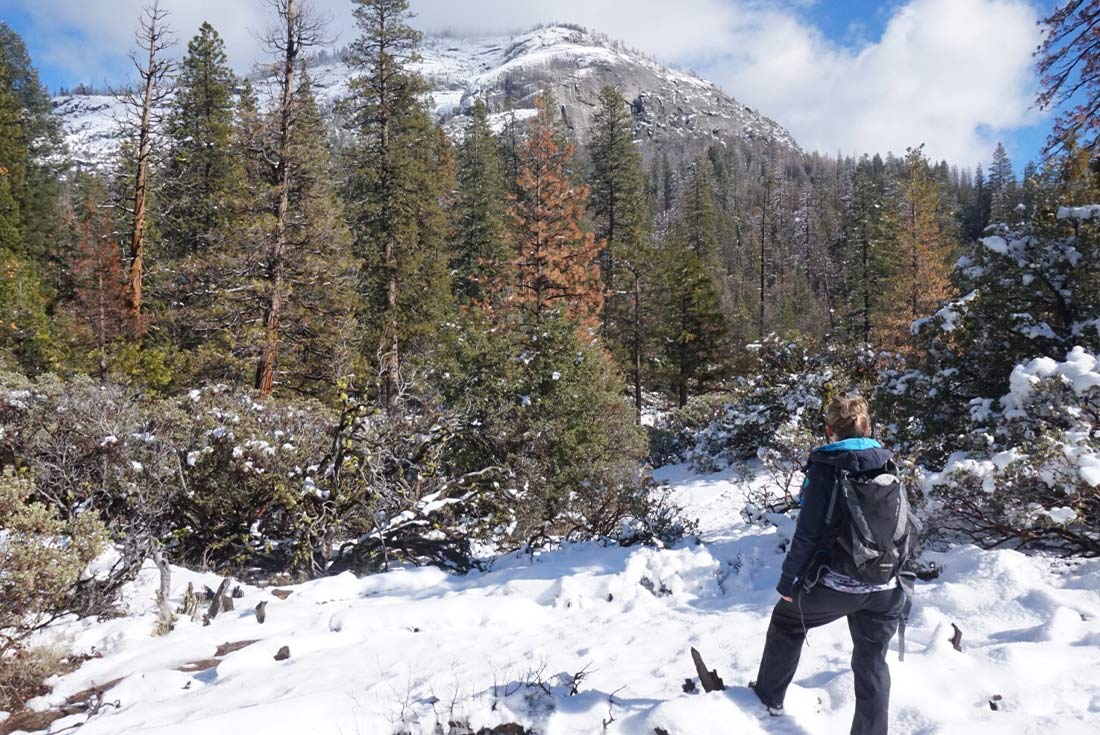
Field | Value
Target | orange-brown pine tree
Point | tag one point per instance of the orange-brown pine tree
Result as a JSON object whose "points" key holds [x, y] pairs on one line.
{"points": [[100, 285], [556, 266], [920, 281]]}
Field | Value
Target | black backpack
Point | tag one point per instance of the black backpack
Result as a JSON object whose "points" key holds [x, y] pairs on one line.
{"points": [[876, 531]]}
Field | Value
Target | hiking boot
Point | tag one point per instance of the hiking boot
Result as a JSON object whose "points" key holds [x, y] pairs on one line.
{"points": [[775, 710]]}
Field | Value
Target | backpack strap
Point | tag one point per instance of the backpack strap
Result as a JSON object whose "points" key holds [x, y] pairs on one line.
{"points": [[906, 580], [830, 514]]}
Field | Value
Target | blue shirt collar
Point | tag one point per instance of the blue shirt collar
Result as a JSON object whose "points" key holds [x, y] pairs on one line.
{"points": [[850, 445]]}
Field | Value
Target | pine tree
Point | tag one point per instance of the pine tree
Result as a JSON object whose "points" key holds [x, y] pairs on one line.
{"points": [[35, 183], [1002, 187], [861, 255], [200, 167], [397, 213], [556, 268], [303, 284], [482, 253], [14, 160], [975, 211], [622, 219], [697, 224], [694, 327], [24, 327], [921, 248], [511, 149], [318, 323], [99, 295], [1069, 59], [617, 186]]}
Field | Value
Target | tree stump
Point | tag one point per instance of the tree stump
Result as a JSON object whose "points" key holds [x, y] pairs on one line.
{"points": [[221, 602], [708, 678], [261, 612], [957, 638]]}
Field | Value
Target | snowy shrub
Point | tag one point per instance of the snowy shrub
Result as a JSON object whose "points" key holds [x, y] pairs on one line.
{"points": [[1028, 469], [778, 409], [42, 559], [1028, 291], [393, 480], [249, 495], [93, 447], [675, 433]]}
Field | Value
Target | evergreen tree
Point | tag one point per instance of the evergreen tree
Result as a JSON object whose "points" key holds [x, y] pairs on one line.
{"points": [[920, 250], [1002, 187], [974, 207], [617, 185], [14, 161], [622, 221], [556, 267], [511, 150], [397, 210], [1069, 61], [24, 327], [36, 169], [198, 177], [303, 278], [99, 287], [861, 255], [482, 253], [694, 328], [697, 224], [318, 322], [201, 184]]}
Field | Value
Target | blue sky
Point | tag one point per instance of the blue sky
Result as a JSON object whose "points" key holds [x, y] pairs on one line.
{"points": [[848, 76]]}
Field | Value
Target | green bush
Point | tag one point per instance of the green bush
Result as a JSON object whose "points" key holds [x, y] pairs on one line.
{"points": [[43, 559]]}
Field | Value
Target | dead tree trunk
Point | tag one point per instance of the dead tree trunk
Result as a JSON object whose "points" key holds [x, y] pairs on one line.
{"points": [[165, 619], [708, 678], [153, 39], [290, 47], [221, 602]]}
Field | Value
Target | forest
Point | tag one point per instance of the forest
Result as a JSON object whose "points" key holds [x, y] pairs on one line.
{"points": [[271, 347]]}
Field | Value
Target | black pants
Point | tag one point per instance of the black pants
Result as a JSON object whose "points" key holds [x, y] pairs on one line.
{"points": [[872, 619]]}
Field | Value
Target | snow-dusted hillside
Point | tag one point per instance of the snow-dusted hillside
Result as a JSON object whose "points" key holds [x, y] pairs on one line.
{"points": [[672, 110], [413, 651]]}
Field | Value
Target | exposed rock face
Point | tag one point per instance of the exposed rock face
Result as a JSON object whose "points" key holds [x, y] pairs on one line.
{"points": [[673, 110]]}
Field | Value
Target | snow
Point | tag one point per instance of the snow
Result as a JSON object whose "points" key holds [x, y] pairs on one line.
{"points": [[1061, 515], [995, 243], [401, 651], [459, 71], [1081, 370], [1086, 212], [1089, 470]]}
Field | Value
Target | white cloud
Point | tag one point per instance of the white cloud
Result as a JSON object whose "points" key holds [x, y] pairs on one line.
{"points": [[949, 73]]}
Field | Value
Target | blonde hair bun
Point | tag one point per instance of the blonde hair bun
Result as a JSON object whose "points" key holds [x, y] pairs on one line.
{"points": [[848, 416]]}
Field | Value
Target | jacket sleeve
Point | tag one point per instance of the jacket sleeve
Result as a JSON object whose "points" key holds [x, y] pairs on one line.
{"points": [[810, 530]]}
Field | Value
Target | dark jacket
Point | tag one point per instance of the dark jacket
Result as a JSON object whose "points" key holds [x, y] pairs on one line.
{"points": [[811, 537]]}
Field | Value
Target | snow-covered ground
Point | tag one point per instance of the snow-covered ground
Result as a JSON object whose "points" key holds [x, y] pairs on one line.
{"points": [[403, 651]]}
